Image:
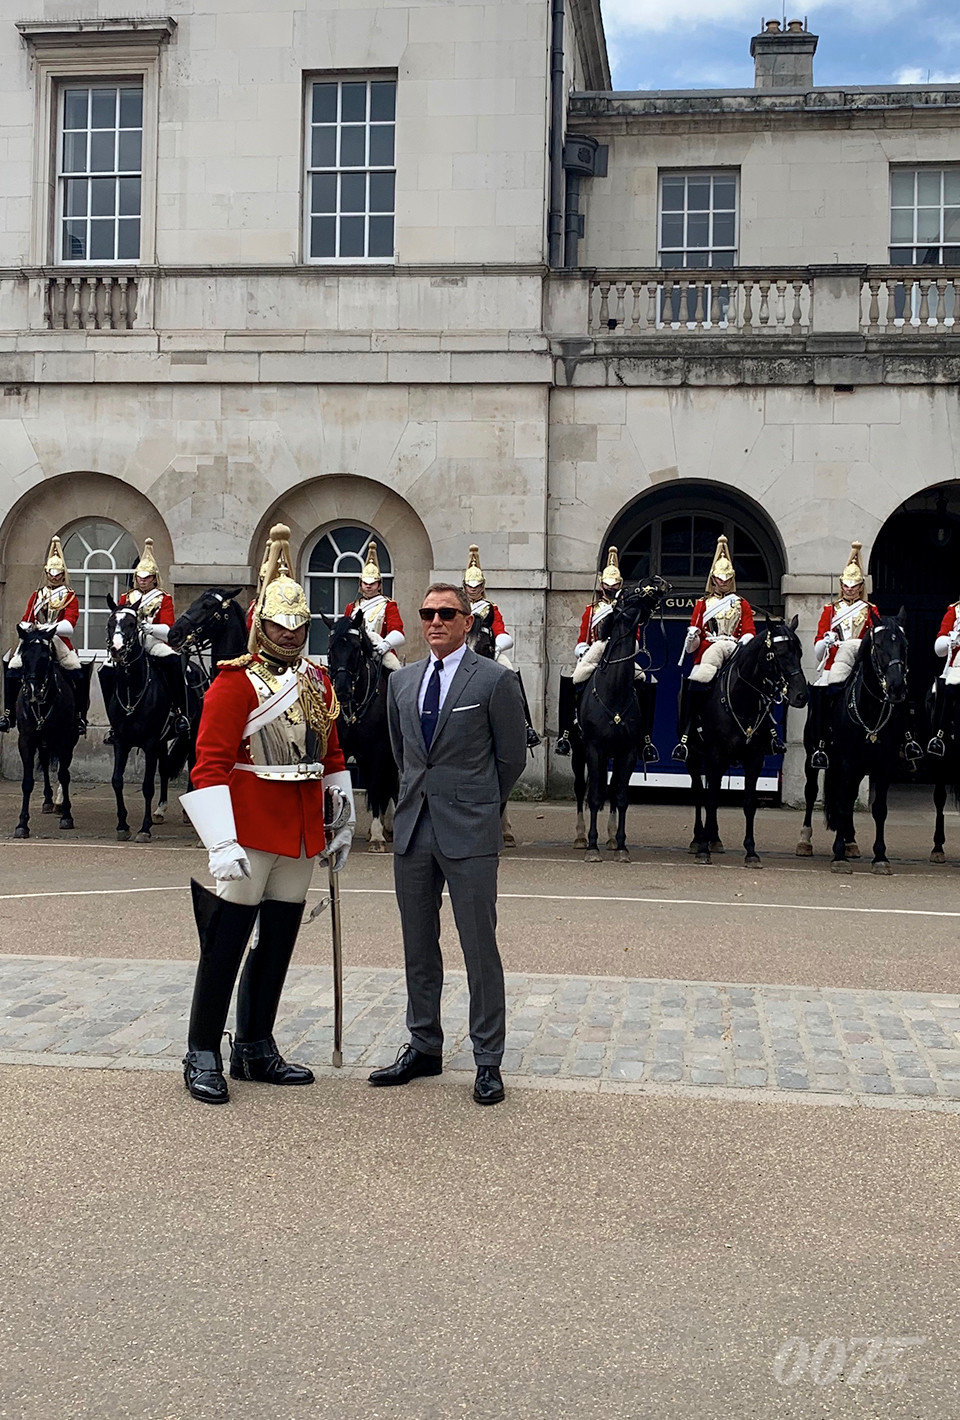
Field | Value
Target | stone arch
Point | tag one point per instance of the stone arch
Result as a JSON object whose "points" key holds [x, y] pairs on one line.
{"points": [[57, 505], [322, 503]]}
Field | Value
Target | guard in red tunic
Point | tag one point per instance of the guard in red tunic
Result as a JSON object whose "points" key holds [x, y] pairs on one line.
{"points": [[155, 616], [484, 610], [721, 622], [381, 616], [52, 604], [840, 631], [946, 645], [269, 766]]}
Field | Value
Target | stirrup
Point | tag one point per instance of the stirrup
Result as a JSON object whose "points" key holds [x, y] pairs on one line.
{"points": [[819, 759], [649, 753], [533, 739], [936, 747], [562, 746], [911, 750], [777, 745], [108, 738], [680, 751]]}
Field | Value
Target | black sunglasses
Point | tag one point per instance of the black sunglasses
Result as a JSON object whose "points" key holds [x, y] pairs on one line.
{"points": [[445, 613]]}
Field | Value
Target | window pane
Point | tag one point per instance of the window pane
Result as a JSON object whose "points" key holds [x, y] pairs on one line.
{"points": [[928, 187], [698, 229], [698, 194], [131, 108], [951, 257], [928, 256], [724, 260], [723, 229], [951, 224], [102, 151], [324, 148], [351, 236], [928, 224], [324, 103], [130, 143], [951, 186], [672, 566], [383, 101], [353, 147], [353, 192], [696, 260], [675, 534], [75, 152], [74, 241], [671, 258], [381, 237], [724, 194], [353, 103], [130, 197], [672, 195], [76, 199], [901, 188], [75, 108], [102, 240], [381, 192], [671, 229], [381, 146], [324, 192], [103, 108], [323, 236], [354, 539], [128, 243], [102, 197], [901, 224]]}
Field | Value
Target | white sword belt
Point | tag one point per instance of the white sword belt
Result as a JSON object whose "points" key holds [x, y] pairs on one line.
{"points": [[283, 771]]}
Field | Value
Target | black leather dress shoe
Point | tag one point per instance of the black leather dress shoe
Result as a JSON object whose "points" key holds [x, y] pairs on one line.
{"points": [[203, 1076], [489, 1086], [260, 1060], [410, 1063]]}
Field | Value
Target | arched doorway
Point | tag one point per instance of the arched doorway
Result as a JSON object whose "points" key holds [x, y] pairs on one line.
{"points": [[672, 531], [915, 564]]}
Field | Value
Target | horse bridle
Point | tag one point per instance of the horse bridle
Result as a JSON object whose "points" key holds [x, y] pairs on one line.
{"points": [[125, 665], [369, 693], [39, 697], [886, 705], [772, 690]]}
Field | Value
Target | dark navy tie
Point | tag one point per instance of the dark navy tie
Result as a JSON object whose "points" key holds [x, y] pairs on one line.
{"points": [[431, 705]]}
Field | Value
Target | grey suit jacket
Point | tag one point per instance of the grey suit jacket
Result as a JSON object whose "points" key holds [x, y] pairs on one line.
{"points": [[477, 755]]}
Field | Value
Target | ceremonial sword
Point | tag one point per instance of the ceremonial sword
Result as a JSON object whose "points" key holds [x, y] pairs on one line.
{"points": [[336, 815]]}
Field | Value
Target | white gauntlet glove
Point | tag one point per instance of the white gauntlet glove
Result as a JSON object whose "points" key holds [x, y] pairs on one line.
{"points": [[581, 649], [228, 862], [211, 813], [692, 641], [831, 639], [380, 645], [340, 819]]}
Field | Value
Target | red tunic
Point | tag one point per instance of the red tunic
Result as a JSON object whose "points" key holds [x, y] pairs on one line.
{"points": [[391, 617], [826, 621], [163, 616], [70, 611], [271, 815], [948, 624], [744, 627], [591, 633]]}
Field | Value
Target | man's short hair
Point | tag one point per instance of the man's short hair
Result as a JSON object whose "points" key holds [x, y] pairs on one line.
{"points": [[462, 599]]}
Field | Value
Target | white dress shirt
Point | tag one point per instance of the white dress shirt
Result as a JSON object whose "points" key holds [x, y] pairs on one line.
{"points": [[448, 669]]}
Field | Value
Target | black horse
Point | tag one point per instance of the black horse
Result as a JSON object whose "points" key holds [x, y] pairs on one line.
{"points": [[138, 708], [211, 630], [735, 728], [481, 638], [47, 727], [361, 688], [609, 719], [869, 727]]}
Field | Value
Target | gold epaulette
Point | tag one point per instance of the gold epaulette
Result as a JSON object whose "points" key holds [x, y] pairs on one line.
{"points": [[240, 664]]}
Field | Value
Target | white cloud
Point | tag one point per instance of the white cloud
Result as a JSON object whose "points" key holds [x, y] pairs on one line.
{"points": [[916, 75], [655, 16]]}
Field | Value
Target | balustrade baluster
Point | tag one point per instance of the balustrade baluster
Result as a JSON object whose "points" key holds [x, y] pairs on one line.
{"points": [[873, 315], [699, 314], [941, 313], [924, 302], [652, 290], [954, 285], [621, 292], [764, 301], [666, 306], [604, 317], [780, 305], [636, 297], [748, 305]]}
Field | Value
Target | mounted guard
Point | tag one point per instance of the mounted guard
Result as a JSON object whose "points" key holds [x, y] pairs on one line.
{"points": [[487, 614], [155, 616], [53, 604], [381, 616], [946, 646], [720, 624], [268, 764]]}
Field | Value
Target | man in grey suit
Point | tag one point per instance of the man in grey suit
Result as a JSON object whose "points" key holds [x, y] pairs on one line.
{"points": [[458, 733]]}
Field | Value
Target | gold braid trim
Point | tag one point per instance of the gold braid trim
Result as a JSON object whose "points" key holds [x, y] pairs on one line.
{"points": [[239, 664], [313, 700]]}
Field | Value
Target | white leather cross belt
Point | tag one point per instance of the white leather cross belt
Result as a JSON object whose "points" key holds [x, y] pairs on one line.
{"points": [[283, 771]]}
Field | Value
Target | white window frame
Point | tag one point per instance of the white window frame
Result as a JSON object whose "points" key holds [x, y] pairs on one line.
{"points": [[916, 171], [686, 175], [352, 563], [61, 178], [79, 577], [341, 77], [88, 52]]}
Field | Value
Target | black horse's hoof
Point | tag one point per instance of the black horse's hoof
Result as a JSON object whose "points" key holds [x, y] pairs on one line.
{"points": [[47, 808], [840, 865], [123, 835], [592, 855], [938, 856], [21, 832], [752, 861], [623, 855], [717, 846], [850, 850], [143, 837], [882, 868], [704, 859], [66, 822]]}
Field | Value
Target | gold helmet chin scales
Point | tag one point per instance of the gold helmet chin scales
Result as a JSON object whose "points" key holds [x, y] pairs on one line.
{"points": [[370, 571], [473, 576], [611, 576], [852, 575], [281, 598], [722, 568], [55, 565]]}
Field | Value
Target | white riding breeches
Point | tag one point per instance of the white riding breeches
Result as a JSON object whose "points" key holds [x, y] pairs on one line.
{"points": [[390, 661], [69, 660], [159, 648], [271, 875], [711, 660], [952, 676], [589, 661], [843, 663], [502, 659]]}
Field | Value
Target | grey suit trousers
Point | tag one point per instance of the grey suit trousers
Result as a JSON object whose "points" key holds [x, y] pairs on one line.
{"points": [[420, 874]]}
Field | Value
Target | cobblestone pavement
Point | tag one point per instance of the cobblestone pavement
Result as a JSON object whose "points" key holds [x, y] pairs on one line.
{"points": [[587, 1033]]}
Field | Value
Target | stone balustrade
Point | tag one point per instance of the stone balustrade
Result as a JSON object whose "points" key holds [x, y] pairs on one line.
{"points": [[657, 302], [89, 300], [910, 301]]}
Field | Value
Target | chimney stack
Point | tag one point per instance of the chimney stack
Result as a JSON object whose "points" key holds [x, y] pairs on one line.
{"points": [[784, 57]]}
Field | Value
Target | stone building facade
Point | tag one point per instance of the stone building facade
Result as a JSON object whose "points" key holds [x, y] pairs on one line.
{"points": [[333, 263]]}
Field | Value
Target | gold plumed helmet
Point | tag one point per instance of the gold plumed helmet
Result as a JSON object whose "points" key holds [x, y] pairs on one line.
{"points": [[611, 576], [147, 566], [263, 566], [370, 571], [473, 576], [55, 563], [852, 574], [280, 598], [722, 567]]}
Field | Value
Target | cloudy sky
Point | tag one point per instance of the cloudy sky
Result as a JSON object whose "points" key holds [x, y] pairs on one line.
{"points": [[705, 44]]}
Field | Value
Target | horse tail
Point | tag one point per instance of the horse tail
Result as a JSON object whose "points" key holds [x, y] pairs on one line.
{"points": [[177, 756], [831, 799]]}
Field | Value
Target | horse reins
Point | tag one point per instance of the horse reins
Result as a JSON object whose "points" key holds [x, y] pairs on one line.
{"points": [[886, 705]]}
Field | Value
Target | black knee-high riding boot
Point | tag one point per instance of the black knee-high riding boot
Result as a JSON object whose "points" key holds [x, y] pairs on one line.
{"points": [[565, 714], [938, 746], [12, 680], [693, 693], [224, 929], [645, 694], [170, 669], [254, 1054], [78, 684]]}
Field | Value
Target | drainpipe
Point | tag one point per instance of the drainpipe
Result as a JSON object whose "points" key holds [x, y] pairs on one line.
{"points": [[557, 183]]}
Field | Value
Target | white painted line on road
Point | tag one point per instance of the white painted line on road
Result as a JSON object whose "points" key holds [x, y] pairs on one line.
{"points": [[543, 897]]}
